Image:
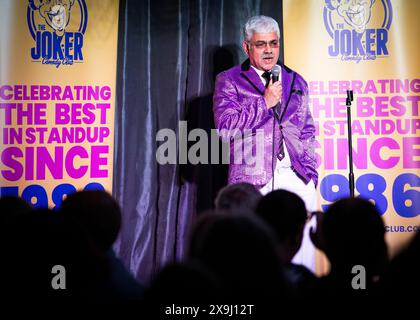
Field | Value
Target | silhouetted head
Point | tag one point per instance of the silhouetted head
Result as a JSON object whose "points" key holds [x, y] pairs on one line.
{"points": [[11, 207], [354, 234], [240, 249], [98, 213], [286, 213], [403, 275], [38, 242], [183, 283], [238, 197]]}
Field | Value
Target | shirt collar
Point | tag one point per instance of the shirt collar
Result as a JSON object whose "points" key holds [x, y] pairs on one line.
{"points": [[260, 73]]}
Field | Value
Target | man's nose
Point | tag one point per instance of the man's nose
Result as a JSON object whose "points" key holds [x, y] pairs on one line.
{"points": [[267, 48]]}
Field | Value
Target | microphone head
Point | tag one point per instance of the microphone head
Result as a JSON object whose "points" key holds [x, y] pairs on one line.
{"points": [[276, 71]]}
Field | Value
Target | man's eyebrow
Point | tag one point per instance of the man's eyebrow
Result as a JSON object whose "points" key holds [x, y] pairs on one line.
{"points": [[267, 41]]}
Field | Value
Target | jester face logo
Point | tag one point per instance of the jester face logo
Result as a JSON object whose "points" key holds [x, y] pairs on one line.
{"points": [[355, 35], [58, 28], [355, 13], [56, 13]]}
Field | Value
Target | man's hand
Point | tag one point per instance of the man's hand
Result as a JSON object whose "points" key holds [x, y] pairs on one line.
{"points": [[272, 94]]}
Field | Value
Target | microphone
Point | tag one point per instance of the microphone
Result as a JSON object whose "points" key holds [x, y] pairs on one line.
{"points": [[275, 72]]}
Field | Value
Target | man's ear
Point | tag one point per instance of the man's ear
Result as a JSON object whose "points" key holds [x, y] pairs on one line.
{"points": [[245, 47]]}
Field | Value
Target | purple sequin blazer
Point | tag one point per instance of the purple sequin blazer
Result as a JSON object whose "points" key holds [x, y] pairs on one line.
{"points": [[240, 109]]}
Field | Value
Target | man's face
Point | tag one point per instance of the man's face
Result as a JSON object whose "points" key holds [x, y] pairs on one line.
{"points": [[263, 50]]}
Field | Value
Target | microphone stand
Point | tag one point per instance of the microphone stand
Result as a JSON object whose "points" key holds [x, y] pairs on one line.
{"points": [[349, 133]]}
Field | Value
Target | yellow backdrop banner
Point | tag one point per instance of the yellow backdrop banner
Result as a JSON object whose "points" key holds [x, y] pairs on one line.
{"points": [[372, 48], [57, 97]]}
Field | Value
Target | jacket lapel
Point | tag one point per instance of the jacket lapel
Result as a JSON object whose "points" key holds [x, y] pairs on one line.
{"points": [[252, 77], [287, 76], [286, 81]]}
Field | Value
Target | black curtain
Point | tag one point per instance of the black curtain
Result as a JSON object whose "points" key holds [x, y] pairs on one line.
{"points": [[169, 53]]}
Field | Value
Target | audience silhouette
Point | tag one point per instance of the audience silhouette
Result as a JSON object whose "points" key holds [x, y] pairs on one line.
{"points": [[99, 215], [286, 214], [353, 239], [238, 197], [240, 253]]}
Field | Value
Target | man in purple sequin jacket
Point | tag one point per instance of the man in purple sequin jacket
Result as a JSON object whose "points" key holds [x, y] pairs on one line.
{"points": [[267, 123], [242, 103]]}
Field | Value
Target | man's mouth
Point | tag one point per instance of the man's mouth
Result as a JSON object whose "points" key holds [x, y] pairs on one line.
{"points": [[268, 59]]}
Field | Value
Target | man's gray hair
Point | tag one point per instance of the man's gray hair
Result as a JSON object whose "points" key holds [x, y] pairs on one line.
{"points": [[261, 24]]}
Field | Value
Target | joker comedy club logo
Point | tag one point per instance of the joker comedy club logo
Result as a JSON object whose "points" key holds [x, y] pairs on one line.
{"points": [[57, 28], [358, 28]]}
